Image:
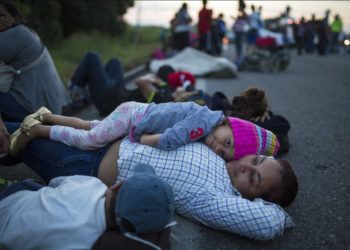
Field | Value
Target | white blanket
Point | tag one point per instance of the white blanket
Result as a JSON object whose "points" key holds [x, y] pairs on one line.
{"points": [[198, 63]]}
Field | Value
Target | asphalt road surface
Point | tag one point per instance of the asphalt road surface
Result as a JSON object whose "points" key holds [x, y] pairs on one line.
{"points": [[314, 95]]}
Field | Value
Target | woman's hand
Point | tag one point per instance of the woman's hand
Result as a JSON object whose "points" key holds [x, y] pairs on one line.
{"points": [[262, 118], [150, 140]]}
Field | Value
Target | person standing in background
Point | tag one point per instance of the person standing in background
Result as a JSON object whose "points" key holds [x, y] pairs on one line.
{"points": [[239, 28], [219, 29], [309, 34], [182, 28], [204, 28], [336, 29], [254, 24]]}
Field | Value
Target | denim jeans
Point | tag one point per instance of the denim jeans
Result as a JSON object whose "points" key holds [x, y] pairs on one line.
{"points": [[50, 159], [97, 77], [27, 184], [10, 109]]}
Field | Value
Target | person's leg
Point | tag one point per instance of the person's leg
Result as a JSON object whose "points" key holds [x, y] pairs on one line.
{"points": [[238, 45], [10, 109], [91, 71], [177, 41], [114, 126], [27, 184], [209, 42], [145, 87], [74, 122], [114, 70], [31, 129], [50, 159]]}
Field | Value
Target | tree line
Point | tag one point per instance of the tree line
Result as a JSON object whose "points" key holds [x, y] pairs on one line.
{"points": [[55, 20]]}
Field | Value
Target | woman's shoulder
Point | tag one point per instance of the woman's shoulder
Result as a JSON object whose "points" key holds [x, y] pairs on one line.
{"points": [[14, 29], [19, 34]]}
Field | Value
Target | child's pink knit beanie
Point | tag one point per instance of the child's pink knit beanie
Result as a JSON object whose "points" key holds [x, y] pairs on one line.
{"points": [[252, 139]]}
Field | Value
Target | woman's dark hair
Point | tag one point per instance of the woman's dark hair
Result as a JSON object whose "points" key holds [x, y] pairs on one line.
{"points": [[164, 71], [256, 98], [13, 11], [251, 103], [285, 193]]}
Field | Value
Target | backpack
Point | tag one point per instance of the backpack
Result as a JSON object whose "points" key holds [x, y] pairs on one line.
{"points": [[280, 126], [277, 124]]}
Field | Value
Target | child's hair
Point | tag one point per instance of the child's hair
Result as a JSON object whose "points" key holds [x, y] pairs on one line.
{"points": [[164, 71], [251, 103], [285, 193]]}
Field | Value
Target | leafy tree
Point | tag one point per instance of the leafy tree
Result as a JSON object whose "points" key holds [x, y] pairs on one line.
{"points": [[56, 19]]}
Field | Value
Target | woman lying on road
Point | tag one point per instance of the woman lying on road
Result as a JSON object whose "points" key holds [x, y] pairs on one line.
{"points": [[222, 196]]}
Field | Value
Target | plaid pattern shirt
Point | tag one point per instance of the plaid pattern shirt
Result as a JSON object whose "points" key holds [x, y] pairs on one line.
{"points": [[203, 190]]}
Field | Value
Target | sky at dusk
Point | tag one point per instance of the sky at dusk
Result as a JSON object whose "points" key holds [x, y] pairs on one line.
{"points": [[160, 12]]}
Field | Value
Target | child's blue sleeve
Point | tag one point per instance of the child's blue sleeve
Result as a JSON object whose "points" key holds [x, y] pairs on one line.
{"points": [[195, 125]]}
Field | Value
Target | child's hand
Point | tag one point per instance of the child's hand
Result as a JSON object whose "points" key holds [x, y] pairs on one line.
{"points": [[150, 140]]}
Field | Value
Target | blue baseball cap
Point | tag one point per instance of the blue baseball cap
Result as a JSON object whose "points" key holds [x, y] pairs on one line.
{"points": [[145, 200]]}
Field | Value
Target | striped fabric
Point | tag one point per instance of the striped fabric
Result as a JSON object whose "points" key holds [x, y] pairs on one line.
{"points": [[203, 191], [250, 138]]}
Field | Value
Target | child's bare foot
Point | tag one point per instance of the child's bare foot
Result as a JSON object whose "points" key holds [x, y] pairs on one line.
{"points": [[22, 136]]}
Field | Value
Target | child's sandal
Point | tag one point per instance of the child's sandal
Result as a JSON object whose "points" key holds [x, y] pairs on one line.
{"points": [[38, 115], [25, 128]]}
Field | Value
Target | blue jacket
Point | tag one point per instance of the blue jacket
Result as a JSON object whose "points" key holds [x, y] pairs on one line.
{"points": [[178, 122]]}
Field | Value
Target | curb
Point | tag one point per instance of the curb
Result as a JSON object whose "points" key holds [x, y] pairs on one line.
{"points": [[135, 72]]}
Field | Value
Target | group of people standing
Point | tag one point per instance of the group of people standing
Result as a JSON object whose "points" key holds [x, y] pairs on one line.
{"points": [[210, 30], [206, 165], [321, 35]]}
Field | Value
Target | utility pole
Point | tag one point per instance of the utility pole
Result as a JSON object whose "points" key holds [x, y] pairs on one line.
{"points": [[137, 25]]}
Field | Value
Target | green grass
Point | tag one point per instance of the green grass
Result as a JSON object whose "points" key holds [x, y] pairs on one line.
{"points": [[68, 54]]}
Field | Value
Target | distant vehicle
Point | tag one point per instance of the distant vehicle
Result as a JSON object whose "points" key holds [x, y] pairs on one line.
{"points": [[346, 43]]}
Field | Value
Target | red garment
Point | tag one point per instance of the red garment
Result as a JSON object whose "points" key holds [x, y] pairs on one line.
{"points": [[204, 21], [177, 79], [264, 42]]}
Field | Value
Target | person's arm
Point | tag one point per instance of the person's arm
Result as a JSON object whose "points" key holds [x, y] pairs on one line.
{"points": [[145, 85], [196, 125], [150, 140], [253, 219]]}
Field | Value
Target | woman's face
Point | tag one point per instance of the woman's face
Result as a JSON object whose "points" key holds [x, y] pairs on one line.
{"points": [[254, 175]]}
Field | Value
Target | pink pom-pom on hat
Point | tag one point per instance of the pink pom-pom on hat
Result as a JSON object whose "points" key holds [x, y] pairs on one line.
{"points": [[250, 138]]}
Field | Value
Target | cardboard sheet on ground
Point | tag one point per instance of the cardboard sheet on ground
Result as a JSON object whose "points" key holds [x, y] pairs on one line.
{"points": [[198, 63]]}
